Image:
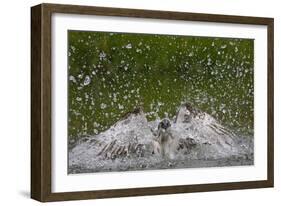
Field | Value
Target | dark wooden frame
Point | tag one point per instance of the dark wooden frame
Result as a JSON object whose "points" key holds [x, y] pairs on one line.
{"points": [[41, 101]]}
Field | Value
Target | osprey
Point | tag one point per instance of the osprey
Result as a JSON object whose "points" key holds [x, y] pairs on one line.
{"points": [[133, 142], [166, 140]]}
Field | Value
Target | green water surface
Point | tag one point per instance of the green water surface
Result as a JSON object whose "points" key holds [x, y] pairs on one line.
{"points": [[110, 74]]}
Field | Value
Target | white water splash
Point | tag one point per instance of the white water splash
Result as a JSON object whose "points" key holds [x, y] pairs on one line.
{"points": [[198, 141]]}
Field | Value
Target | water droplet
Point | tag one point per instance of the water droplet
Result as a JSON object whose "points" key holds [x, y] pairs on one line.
{"points": [[87, 80], [128, 46]]}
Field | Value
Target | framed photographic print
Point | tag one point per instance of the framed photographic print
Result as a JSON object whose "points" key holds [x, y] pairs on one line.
{"points": [[130, 102]]}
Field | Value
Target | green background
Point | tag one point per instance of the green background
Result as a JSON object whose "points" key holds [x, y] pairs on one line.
{"points": [[110, 74]]}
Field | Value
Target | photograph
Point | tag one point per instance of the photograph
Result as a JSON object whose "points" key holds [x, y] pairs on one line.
{"points": [[134, 102], [158, 101]]}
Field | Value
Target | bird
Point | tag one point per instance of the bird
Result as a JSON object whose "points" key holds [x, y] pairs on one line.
{"points": [[192, 134], [131, 136], [166, 139]]}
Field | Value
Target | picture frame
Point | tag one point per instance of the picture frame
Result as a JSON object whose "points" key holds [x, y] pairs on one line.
{"points": [[42, 88]]}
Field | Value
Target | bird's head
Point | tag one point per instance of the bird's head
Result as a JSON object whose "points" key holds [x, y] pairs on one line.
{"points": [[164, 124]]}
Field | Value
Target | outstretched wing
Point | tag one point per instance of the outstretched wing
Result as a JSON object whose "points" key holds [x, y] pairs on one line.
{"points": [[203, 128], [201, 121], [130, 136]]}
